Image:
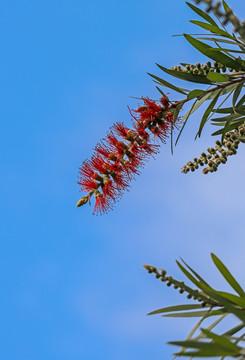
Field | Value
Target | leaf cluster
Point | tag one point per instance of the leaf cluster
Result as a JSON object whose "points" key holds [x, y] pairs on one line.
{"points": [[212, 303], [219, 86]]}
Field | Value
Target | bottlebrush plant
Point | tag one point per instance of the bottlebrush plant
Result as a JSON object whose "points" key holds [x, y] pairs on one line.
{"points": [[118, 157]]}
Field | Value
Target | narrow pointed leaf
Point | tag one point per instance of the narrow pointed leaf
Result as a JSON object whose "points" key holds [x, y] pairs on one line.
{"points": [[207, 112], [167, 84], [212, 28], [227, 275], [176, 308], [217, 56], [221, 340], [234, 330], [236, 94], [241, 101], [240, 301], [218, 40], [231, 127], [201, 79], [201, 13], [196, 274], [197, 313]]}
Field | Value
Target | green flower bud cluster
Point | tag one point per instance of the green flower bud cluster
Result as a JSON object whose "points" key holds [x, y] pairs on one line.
{"points": [[202, 69], [227, 17], [191, 294], [219, 154]]}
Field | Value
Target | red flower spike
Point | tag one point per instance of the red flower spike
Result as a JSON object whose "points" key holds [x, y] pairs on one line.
{"points": [[115, 162]]}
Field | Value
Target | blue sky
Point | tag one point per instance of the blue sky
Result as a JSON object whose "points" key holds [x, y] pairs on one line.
{"points": [[72, 283]]}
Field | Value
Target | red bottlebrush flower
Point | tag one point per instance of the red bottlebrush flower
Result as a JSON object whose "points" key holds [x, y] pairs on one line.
{"points": [[118, 157], [120, 129], [101, 205], [99, 164], [87, 184]]}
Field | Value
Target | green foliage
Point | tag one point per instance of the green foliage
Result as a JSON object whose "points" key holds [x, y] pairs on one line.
{"points": [[212, 302]]}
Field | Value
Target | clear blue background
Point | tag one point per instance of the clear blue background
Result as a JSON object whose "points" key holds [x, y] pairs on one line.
{"points": [[72, 285]]}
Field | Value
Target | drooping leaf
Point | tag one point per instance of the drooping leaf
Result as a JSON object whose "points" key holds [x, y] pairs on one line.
{"points": [[207, 112], [201, 13], [227, 275], [236, 94], [194, 107], [167, 84]]}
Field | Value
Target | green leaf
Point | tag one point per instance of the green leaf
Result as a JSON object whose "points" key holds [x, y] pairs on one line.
{"points": [[196, 313], [167, 84], [221, 340], [195, 106], [223, 59], [234, 330], [232, 17], [226, 118], [201, 13], [210, 327], [226, 7], [229, 50], [176, 308], [201, 79], [212, 28], [217, 40], [217, 56], [226, 110], [189, 276], [217, 77], [241, 102], [195, 273], [227, 275], [236, 94], [229, 307], [240, 301], [207, 353], [195, 93], [231, 127], [207, 112], [204, 346], [176, 112]]}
